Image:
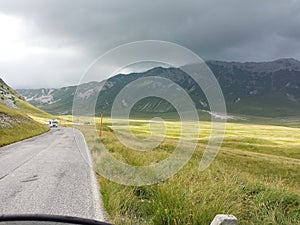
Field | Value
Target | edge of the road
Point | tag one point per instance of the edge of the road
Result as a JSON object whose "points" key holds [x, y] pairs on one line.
{"points": [[98, 203], [100, 212]]}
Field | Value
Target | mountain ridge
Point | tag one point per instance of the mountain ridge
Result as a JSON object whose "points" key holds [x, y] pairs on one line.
{"points": [[255, 88], [263, 67]]}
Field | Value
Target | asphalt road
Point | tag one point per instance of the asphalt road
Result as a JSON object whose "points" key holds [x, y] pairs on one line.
{"points": [[49, 174]]}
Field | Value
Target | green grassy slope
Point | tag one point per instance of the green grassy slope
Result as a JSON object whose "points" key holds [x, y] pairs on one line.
{"points": [[16, 126], [31, 110], [16, 117]]}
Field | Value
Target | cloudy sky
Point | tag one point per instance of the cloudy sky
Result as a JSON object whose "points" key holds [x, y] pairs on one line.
{"points": [[51, 43]]}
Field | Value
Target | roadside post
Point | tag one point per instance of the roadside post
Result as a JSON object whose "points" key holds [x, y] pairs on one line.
{"points": [[101, 120]]}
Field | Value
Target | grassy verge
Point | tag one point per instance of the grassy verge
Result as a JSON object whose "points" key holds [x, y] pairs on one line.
{"points": [[256, 177], [16, 126]]}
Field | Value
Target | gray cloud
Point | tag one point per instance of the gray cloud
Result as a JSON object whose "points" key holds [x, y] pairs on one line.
{"points": [[74, 32]]}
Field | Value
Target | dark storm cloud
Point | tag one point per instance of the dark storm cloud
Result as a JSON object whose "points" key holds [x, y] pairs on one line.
{"points": [[227, 30]]}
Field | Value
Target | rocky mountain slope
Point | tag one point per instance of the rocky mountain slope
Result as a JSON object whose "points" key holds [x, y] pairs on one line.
{"points": [[8, 96], [15, 122], [253, 88], [56, 101]]}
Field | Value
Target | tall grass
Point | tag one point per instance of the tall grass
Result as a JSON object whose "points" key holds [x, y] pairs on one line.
{"points": [[256, 177]]}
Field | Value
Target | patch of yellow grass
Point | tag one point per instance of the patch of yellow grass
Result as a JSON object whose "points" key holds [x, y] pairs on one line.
{"points": [[256, 176]]}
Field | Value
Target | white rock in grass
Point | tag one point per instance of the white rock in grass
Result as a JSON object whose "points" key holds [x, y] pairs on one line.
{"points": [[223, 219]]}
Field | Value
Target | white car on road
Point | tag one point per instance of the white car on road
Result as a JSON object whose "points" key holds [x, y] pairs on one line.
{"points": [[53, 123]]}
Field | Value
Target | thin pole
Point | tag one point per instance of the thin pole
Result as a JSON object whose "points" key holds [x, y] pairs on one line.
{"points": [[101, 119]]}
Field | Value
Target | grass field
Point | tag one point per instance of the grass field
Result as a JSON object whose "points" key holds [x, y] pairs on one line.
{"points": [[31, 110], [256, 177], [17, 125]]}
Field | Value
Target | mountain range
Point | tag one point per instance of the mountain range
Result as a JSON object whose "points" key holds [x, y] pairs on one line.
{"points": [[270, 89]]}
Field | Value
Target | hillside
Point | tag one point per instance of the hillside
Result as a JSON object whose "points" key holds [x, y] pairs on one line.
{"points": [[270, 89], [15, 121], [56, 101], [12, 99], [260, 88]]}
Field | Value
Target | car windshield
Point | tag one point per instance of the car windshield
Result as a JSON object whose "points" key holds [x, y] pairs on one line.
{"points": [[150, 112]]}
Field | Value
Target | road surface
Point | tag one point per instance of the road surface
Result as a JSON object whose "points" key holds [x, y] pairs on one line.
{"points": [[49, 174]]}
